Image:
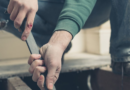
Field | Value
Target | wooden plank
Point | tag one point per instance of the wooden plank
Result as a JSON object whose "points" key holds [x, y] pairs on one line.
{"points": [[75, 56], [13, 62], [84, 64], [4, 34], [14, 70], [15, 83], [84, 61], [12, 47], [80, 62]]}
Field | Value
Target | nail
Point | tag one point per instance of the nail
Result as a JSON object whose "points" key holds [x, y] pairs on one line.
{"points": [[50, 86], [40, 78], [39, 56], [19, 30], [24, 38]]}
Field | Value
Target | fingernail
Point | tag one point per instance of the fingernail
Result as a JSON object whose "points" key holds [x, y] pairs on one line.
{"points": [[16, 26], [39, 55], [19, 30], [50, 85], [24, 38]]}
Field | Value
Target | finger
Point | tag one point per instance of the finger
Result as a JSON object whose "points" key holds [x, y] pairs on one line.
{"points": [[38, 70], [35, 64], [29, 25], [40, 82], [10, 7], [14, 12], [50, 78], [33, 57], [20, 17]]}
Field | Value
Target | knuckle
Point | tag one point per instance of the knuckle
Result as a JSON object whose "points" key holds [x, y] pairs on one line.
{"points": [[25, 6], [17, 23], [36, 62], [8, 10], [11, 18], [55, 79], [58, 71], [33, 9], [37, 69], [50, 78], [53, 64], [14, 1], [30, 70], [18, 3]]}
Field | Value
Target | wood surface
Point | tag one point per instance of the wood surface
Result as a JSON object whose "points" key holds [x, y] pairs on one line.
{"points": [[15, 83], [72, 63], [12, 47]]}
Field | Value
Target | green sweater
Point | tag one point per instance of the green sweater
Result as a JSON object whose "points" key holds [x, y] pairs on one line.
{"points": [[74, 15]]}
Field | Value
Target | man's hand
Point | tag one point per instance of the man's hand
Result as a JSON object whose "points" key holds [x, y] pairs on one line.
{"points": [[52, 60], [21, 9], [52, 54]]}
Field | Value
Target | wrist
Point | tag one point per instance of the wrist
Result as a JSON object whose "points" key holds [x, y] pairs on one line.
{"points": [[61, 39]]}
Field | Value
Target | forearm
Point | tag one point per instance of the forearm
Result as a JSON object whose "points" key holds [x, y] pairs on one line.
{"points": [[61, 38], [74, 15]]}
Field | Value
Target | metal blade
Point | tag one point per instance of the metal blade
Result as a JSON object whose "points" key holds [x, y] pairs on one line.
{"points": [[32, 44]]}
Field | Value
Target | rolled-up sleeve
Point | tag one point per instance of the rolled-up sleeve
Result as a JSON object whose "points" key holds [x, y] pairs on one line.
{"points": [[74, 15]]}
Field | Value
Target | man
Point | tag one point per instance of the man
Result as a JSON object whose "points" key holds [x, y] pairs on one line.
{"points": [[71, 19]]}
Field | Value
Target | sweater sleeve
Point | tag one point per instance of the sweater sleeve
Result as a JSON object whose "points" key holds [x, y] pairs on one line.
{"points": [[74, 15]]}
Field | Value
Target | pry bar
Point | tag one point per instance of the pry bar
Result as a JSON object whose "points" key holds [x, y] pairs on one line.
{"points": [[33, 48]]}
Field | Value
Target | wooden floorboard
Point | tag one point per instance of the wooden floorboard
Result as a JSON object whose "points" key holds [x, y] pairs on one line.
{"points": [[14, 70], [15, 83], [9, 68], [84, 64]]}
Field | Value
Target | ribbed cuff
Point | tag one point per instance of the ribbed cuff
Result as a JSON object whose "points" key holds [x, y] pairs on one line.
{"points": [[67, 25]]}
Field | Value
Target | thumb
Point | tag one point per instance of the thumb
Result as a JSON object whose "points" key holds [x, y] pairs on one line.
{"points": [[50, 78]]}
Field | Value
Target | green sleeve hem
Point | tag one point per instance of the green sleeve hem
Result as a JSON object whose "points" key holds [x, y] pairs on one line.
{"points": [[68, 25]]}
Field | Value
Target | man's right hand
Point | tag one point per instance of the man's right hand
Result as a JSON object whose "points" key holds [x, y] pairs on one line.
{"points": [[52, 53], [52, 60]]}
